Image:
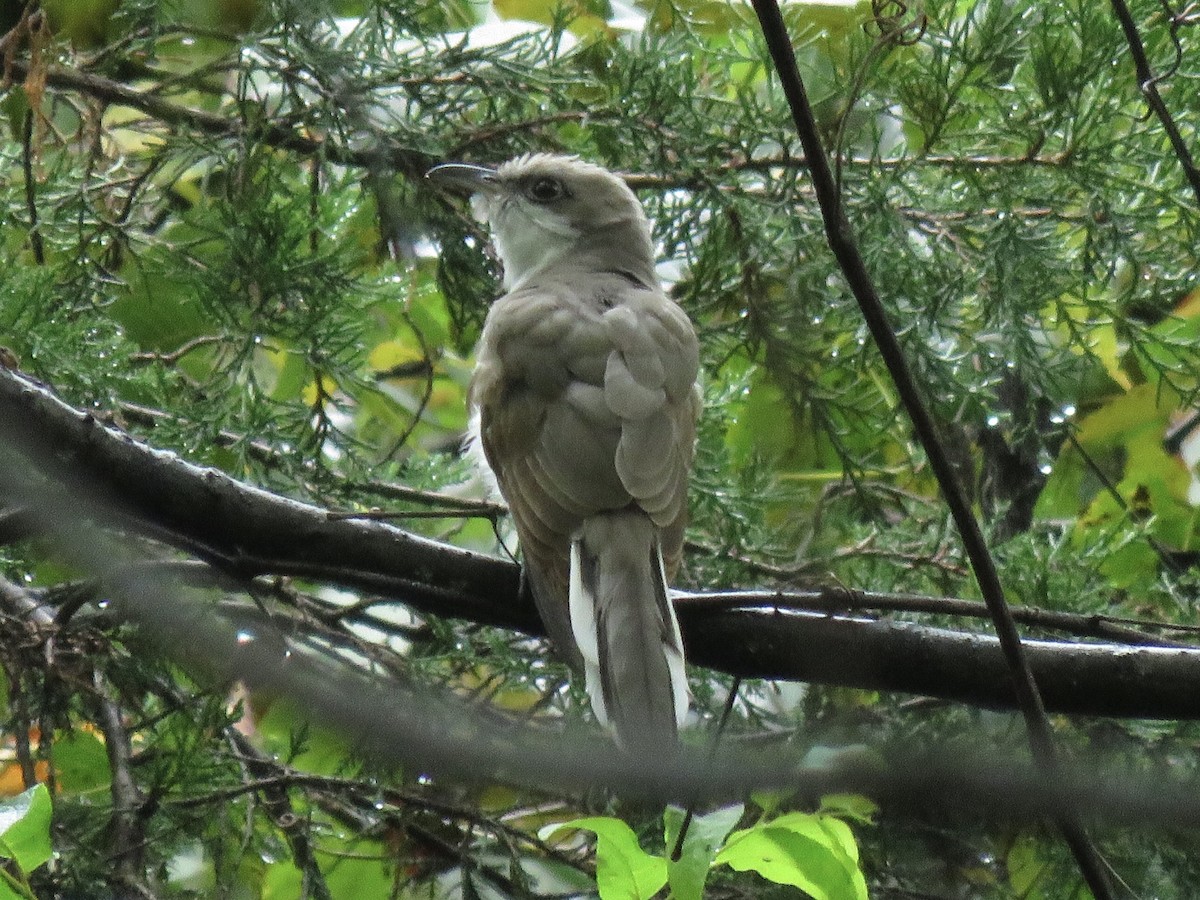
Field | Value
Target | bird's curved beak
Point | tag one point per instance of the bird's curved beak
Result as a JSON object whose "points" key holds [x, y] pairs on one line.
{"points": [[463, 176]]}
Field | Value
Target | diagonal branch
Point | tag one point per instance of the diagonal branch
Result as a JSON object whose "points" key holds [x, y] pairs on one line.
{"points": [[841, 241], [218, 124], [1148, 84]]}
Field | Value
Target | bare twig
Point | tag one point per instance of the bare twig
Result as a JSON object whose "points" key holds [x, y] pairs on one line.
{"points": [[172, 357], [19, 603], [126, 825]]}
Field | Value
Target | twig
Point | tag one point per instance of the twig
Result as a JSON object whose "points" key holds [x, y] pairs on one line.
{"points": [[19, 603], [484, 508], [35, 230], [845, 600], [279, 807], [179, 352], [1148, 84], [841, 241], [730, 698], [126, 828], [174, 114], [216, 124], [387, 515]]}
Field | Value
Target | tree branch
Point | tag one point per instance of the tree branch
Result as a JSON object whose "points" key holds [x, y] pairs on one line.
{"points": [[283, 137], [250, 532], [842, 243], [218, 124], [1148, 84]]}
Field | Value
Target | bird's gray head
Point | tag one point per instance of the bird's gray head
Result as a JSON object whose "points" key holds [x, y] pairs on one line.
{"points": [[544, 209]]}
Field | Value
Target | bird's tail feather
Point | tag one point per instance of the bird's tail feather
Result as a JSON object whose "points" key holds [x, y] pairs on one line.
{"points": [[626, 630]]}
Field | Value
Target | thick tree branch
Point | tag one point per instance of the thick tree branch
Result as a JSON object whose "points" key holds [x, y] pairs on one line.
{"points": [[251, 532], [246, 530], [432, 730], [1090, 679]]}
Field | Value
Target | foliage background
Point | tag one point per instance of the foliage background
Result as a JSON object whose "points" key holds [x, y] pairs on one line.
{"points": [[248, 269]]}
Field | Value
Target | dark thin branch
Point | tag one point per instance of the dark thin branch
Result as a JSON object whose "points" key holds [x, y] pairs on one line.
{"points": [[1148, 84], [483, 508], [765, 165], [277, 775], [846, 600], [126, 830], [278, 804], [20, 723], [35, 229], [217, 124], [271, 456], [178, 353], [842, 243], [176, 115]]}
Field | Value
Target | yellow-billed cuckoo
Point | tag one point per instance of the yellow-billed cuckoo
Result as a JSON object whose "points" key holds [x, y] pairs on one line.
{"points": [[584, 403]]}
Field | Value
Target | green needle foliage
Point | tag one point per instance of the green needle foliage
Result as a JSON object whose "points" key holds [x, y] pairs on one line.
{"points": [[215, 234]]}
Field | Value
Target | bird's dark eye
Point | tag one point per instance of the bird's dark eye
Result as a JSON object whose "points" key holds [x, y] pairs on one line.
{"points": [[543, 190]]}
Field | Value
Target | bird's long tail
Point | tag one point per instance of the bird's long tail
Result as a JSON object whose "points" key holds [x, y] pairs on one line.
{"points": [[626, 631]]}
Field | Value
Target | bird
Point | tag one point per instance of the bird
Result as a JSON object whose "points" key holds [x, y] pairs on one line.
{"points": [[584, 402]]}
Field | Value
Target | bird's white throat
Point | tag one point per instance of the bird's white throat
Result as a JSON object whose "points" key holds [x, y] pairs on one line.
{"points": [[528, 238]]}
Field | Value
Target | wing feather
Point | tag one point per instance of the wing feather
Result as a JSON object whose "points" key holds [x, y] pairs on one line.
{"points": [[587, 404]]}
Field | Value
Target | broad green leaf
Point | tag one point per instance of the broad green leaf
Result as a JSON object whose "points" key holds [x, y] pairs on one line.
{"points": [[1027, 867], [357, 868], [84, 22], [283, 881], [1117, 420], [624, 871], [798, 849], [387, 355], [286, 732], [25, 828], [850, 806], [703, 840], [80, 762]]}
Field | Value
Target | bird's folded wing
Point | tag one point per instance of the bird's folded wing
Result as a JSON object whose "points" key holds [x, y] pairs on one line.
{"points": [[587, 404]]}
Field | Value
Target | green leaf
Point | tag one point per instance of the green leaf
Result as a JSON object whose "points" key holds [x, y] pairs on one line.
{"points": [[25, 828], [624, 871], [80, 762], [812, 852], [705, 835], [850, 806], [283, 880], [287, 732], [1028, 868]]}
